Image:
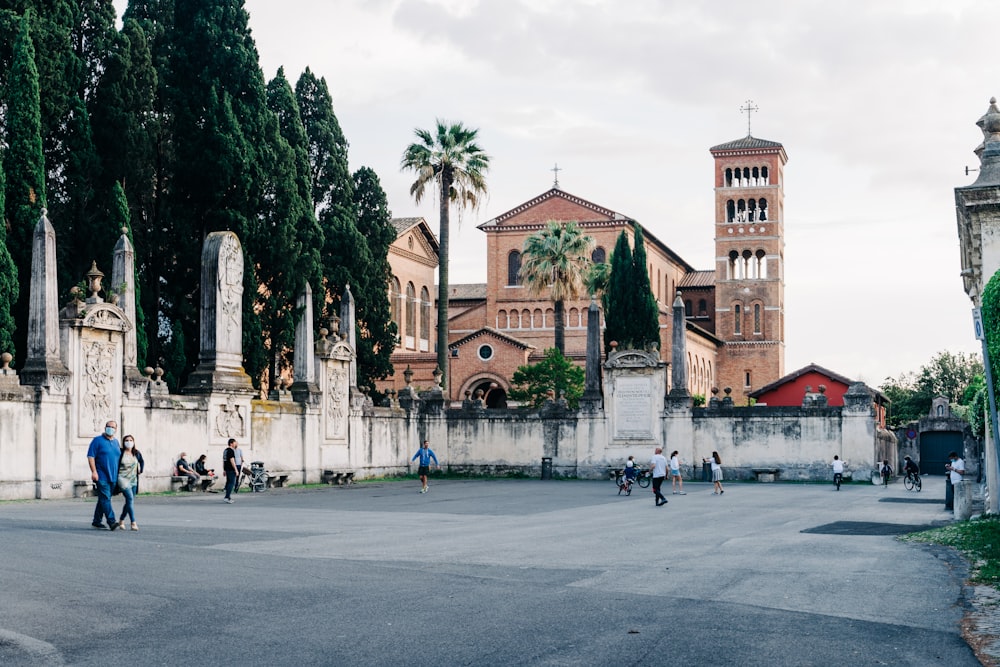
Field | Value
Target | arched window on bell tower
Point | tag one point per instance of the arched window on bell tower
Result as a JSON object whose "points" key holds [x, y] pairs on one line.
{"points": [[757, 326], [514, 268], [737, 316]]}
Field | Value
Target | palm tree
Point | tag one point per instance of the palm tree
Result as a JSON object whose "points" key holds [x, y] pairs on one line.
{"points": [[457, 166], [557, 258]]}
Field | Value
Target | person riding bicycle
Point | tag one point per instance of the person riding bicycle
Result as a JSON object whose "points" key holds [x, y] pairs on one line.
{"points": [[838, 471], [630, 471], [910, 466]]}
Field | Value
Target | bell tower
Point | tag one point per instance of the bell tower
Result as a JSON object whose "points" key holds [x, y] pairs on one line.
{"points": [[749, 263]]}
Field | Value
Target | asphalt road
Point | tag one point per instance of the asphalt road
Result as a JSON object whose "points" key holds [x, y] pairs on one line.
{"points": [[486, 573]]}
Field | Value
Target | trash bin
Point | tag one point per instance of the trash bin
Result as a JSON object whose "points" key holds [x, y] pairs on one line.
{"points": [[706, 471], [546, 467]]}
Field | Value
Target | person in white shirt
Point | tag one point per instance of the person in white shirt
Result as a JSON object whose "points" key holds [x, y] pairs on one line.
{"points": [[838, 471], [676, 481], [658, 466], [956, 468], [716, 461]]}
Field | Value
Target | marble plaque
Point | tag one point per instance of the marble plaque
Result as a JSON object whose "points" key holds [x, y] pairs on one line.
{"points": [[633, 408]]}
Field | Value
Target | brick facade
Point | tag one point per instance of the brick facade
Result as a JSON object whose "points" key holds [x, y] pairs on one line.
{"points": [[518, 327]]}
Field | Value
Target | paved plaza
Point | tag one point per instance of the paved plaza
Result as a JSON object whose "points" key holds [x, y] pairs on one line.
{"points": [[486, 572]]}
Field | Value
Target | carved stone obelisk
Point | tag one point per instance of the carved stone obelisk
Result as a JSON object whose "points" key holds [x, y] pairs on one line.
{"points": [[123, 285], [591, 399], [678, 356], [220, 356], [348, 325], [43, 366], [304, 388]]}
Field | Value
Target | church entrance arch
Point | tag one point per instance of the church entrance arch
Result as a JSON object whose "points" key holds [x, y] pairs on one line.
{"points": [[493, 392]]}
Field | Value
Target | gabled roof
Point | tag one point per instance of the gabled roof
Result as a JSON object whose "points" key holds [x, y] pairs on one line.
{"points": [[404, 225], [467, 292], [745, 143], [496, 334], [795, 375], [694, 279], [599, 212]]}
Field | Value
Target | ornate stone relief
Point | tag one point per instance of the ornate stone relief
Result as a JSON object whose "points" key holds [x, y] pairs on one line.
{"points": [[230, 422], [105, 316], [231, 291], [633, 359], [336, 403], [98, 384]]}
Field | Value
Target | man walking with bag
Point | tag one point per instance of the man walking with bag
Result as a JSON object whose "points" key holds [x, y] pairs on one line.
{"points": [[103, 457]]}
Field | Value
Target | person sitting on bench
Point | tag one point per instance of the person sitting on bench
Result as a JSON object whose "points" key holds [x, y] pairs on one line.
{"points": [[199, 467], [185, 468]]}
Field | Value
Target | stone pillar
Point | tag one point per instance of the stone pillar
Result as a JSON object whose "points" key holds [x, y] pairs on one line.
{"points": [[858, 435], [348, 324], [123, 286], [977, 207], [43, 367], [304, 388], [220, 358], [963, 499], [591, 399], [678, 352]]}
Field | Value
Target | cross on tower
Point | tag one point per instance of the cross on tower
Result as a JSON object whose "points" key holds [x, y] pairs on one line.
{"points": [[748, 108], [556, 171]]}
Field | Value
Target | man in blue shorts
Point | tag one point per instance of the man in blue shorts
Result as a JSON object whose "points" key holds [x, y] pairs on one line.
{"points": [[103, 457], [426, 454]]}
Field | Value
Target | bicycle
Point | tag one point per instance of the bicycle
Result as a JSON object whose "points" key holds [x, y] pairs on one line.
{"points": [[912, 481], [624, 484], [838, 477]]}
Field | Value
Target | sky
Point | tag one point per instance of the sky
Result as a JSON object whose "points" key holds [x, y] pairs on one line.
{"points": [[874, 102]]}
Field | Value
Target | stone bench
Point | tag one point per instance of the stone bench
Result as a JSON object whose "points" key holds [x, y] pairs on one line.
{"points": [[766, 474], [185, 483], [337, 477], [84, 488], [276, 481]]}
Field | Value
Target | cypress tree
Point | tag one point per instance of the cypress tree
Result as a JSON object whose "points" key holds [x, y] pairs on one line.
{"points": [[617, 296], [24, 163], [8, 280], [294, 232], [644, 324], [377, 331]]}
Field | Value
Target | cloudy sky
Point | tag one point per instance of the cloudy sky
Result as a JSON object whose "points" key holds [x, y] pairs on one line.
{"points": [[875, 103]]}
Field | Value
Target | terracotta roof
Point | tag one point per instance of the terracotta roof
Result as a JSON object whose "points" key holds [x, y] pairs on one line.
{"points": [[745, 143], [697, 279], [493, 332], [464, 292]]}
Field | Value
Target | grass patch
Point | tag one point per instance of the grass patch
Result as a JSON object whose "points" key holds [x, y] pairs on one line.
{"points": [[977, 539]]}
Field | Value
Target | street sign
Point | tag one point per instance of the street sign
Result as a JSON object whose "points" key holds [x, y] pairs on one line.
{"points": [[977, 321]]}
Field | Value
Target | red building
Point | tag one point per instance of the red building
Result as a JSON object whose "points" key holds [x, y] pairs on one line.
{"points": [[813, 381]]}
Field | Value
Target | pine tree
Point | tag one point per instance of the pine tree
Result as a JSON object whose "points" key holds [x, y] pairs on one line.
{"points": [[617, 296], [645, 323], [8, 280], [377, 331], [24, 164]]}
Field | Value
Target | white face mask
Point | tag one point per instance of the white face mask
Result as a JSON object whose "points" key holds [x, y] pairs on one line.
{"points": [[128, 444]]}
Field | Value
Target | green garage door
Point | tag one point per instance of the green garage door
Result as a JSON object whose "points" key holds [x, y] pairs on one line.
{"points": [[934, 449]]}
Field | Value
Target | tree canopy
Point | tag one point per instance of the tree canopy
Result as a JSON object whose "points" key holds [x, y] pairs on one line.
{"points": [[946, 374]]}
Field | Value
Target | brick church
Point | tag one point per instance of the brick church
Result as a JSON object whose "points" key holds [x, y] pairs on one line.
{"points": [[735, 327]]}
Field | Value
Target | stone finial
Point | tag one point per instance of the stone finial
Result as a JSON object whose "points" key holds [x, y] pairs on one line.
{"points": [[94, 278], [5, 360], [148, 372], [408, 375], [989, 123]]}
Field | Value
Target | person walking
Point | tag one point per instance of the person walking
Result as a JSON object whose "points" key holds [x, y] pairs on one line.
{"points": [[676, 481], [886, 472], [238, 462], [231, 468], [838, 471], [716, 473], [128, 480], [102, 457], [658, 466], [425, 454]]}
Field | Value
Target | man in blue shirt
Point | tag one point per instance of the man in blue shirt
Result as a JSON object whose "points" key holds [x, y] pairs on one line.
{"points": [[103, 457], [426, 454]]}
